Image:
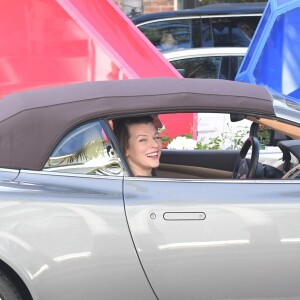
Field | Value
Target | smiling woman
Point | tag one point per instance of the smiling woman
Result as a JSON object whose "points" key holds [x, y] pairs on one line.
{"points": [[140, 143]]}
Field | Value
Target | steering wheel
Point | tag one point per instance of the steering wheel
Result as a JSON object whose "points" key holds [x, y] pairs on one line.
{"points": [[243, 169]]}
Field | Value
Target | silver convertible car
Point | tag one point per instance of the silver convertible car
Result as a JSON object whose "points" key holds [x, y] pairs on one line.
{"points": [[212, 224]]}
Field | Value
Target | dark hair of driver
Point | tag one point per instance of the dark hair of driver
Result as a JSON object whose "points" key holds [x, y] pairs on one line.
{"points": [[121, 131]]}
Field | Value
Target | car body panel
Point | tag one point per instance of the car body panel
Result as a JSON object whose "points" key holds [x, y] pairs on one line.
{"points": [[64, 233], [220, 51], [8, 174], [216, 240]]}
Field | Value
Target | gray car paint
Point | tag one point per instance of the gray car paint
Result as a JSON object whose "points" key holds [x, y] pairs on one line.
{"points": [[230, 239], [67, 238], [8, 174]]}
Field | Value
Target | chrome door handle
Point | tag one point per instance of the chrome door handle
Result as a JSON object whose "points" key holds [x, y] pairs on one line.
{"points": [[181, 216]]}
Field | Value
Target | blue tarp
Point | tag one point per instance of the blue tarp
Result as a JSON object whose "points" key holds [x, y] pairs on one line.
{"points": [[273, 57]]}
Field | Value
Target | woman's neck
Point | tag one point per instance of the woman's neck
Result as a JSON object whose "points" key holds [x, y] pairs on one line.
{"points": [[141, 172]]}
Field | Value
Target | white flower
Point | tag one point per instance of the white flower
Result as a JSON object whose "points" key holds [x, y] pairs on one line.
{"points": [[161, 129], [182, 143]]}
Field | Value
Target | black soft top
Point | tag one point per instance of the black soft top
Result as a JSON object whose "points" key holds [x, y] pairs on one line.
{"points": [[32, 122]]}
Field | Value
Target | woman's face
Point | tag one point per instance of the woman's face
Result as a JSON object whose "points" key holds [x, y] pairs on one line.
{"points": [[144, 148]]}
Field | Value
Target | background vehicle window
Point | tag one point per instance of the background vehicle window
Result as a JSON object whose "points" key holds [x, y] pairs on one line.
{"points": [[169, 35], [230, 66], [85, 150], [199, 67], [206, 33], [233, 32]]}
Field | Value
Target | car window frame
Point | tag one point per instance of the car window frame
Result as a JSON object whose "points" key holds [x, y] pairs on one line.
{"points": [[196, 27], [204, 59], [111, 136], [126, 172]]}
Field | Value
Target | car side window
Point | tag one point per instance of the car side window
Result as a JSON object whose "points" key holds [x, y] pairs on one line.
{"points": [[233, 32], [206, 33], [231, 64], [85, 150], [170, 34], [199, 67]]}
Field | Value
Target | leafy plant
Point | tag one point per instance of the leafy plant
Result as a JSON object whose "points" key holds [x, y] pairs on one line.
{"points": [[263, 135], [231, 140], [213, 144], [236, 139]]}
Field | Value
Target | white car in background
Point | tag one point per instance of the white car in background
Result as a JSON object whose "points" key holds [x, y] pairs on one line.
{"points": [[215, 63]]}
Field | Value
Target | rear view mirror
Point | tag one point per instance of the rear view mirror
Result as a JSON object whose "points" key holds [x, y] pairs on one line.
{"points": [[237, 117], [268, 137]]}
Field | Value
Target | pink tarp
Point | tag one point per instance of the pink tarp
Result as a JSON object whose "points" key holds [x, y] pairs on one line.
{"points": [[47, 42]]}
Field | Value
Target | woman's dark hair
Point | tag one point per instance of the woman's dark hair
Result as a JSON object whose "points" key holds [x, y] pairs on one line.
{"points": [[121, 128]]}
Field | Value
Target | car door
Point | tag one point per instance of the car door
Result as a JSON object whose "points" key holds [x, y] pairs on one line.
{"points": [[216, 239], [64, 228]]}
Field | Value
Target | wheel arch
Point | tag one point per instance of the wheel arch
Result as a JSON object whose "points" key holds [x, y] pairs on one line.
{"points": [[16, 279]]}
